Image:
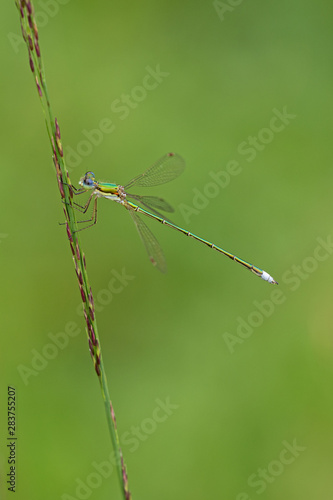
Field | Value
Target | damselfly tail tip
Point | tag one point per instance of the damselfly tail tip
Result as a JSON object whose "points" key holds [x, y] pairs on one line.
{"points": [[265, 276]]}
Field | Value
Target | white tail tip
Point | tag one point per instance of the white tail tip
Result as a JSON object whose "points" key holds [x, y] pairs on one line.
{"points": [[265, 276]]}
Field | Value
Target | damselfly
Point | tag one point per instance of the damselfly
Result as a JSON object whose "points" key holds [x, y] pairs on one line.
{"points": [[166, 169]]}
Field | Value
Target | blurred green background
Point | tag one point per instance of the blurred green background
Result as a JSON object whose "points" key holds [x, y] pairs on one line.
{"points": [[244, 368]]}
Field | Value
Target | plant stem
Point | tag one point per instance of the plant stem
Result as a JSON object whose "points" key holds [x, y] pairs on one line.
{"points": [[31, 37]]}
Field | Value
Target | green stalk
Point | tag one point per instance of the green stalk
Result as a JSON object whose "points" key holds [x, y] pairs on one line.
{"points": [[31, 38]]}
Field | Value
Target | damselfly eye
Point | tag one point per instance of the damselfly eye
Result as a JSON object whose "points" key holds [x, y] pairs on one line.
{"points": [[89, 179]]}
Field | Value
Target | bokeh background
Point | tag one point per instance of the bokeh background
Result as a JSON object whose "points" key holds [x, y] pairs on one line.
{"points": [[222, 383]]}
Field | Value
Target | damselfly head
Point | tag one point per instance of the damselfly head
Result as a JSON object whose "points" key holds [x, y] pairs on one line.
{"points": [[88, 181]]}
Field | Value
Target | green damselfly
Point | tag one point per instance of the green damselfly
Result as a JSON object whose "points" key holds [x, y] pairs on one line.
{"points": [[166, 169]]}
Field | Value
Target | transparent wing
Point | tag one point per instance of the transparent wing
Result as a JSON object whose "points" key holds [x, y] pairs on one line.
{"points": [[166, 169], [153, 202], [152, 246]]}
